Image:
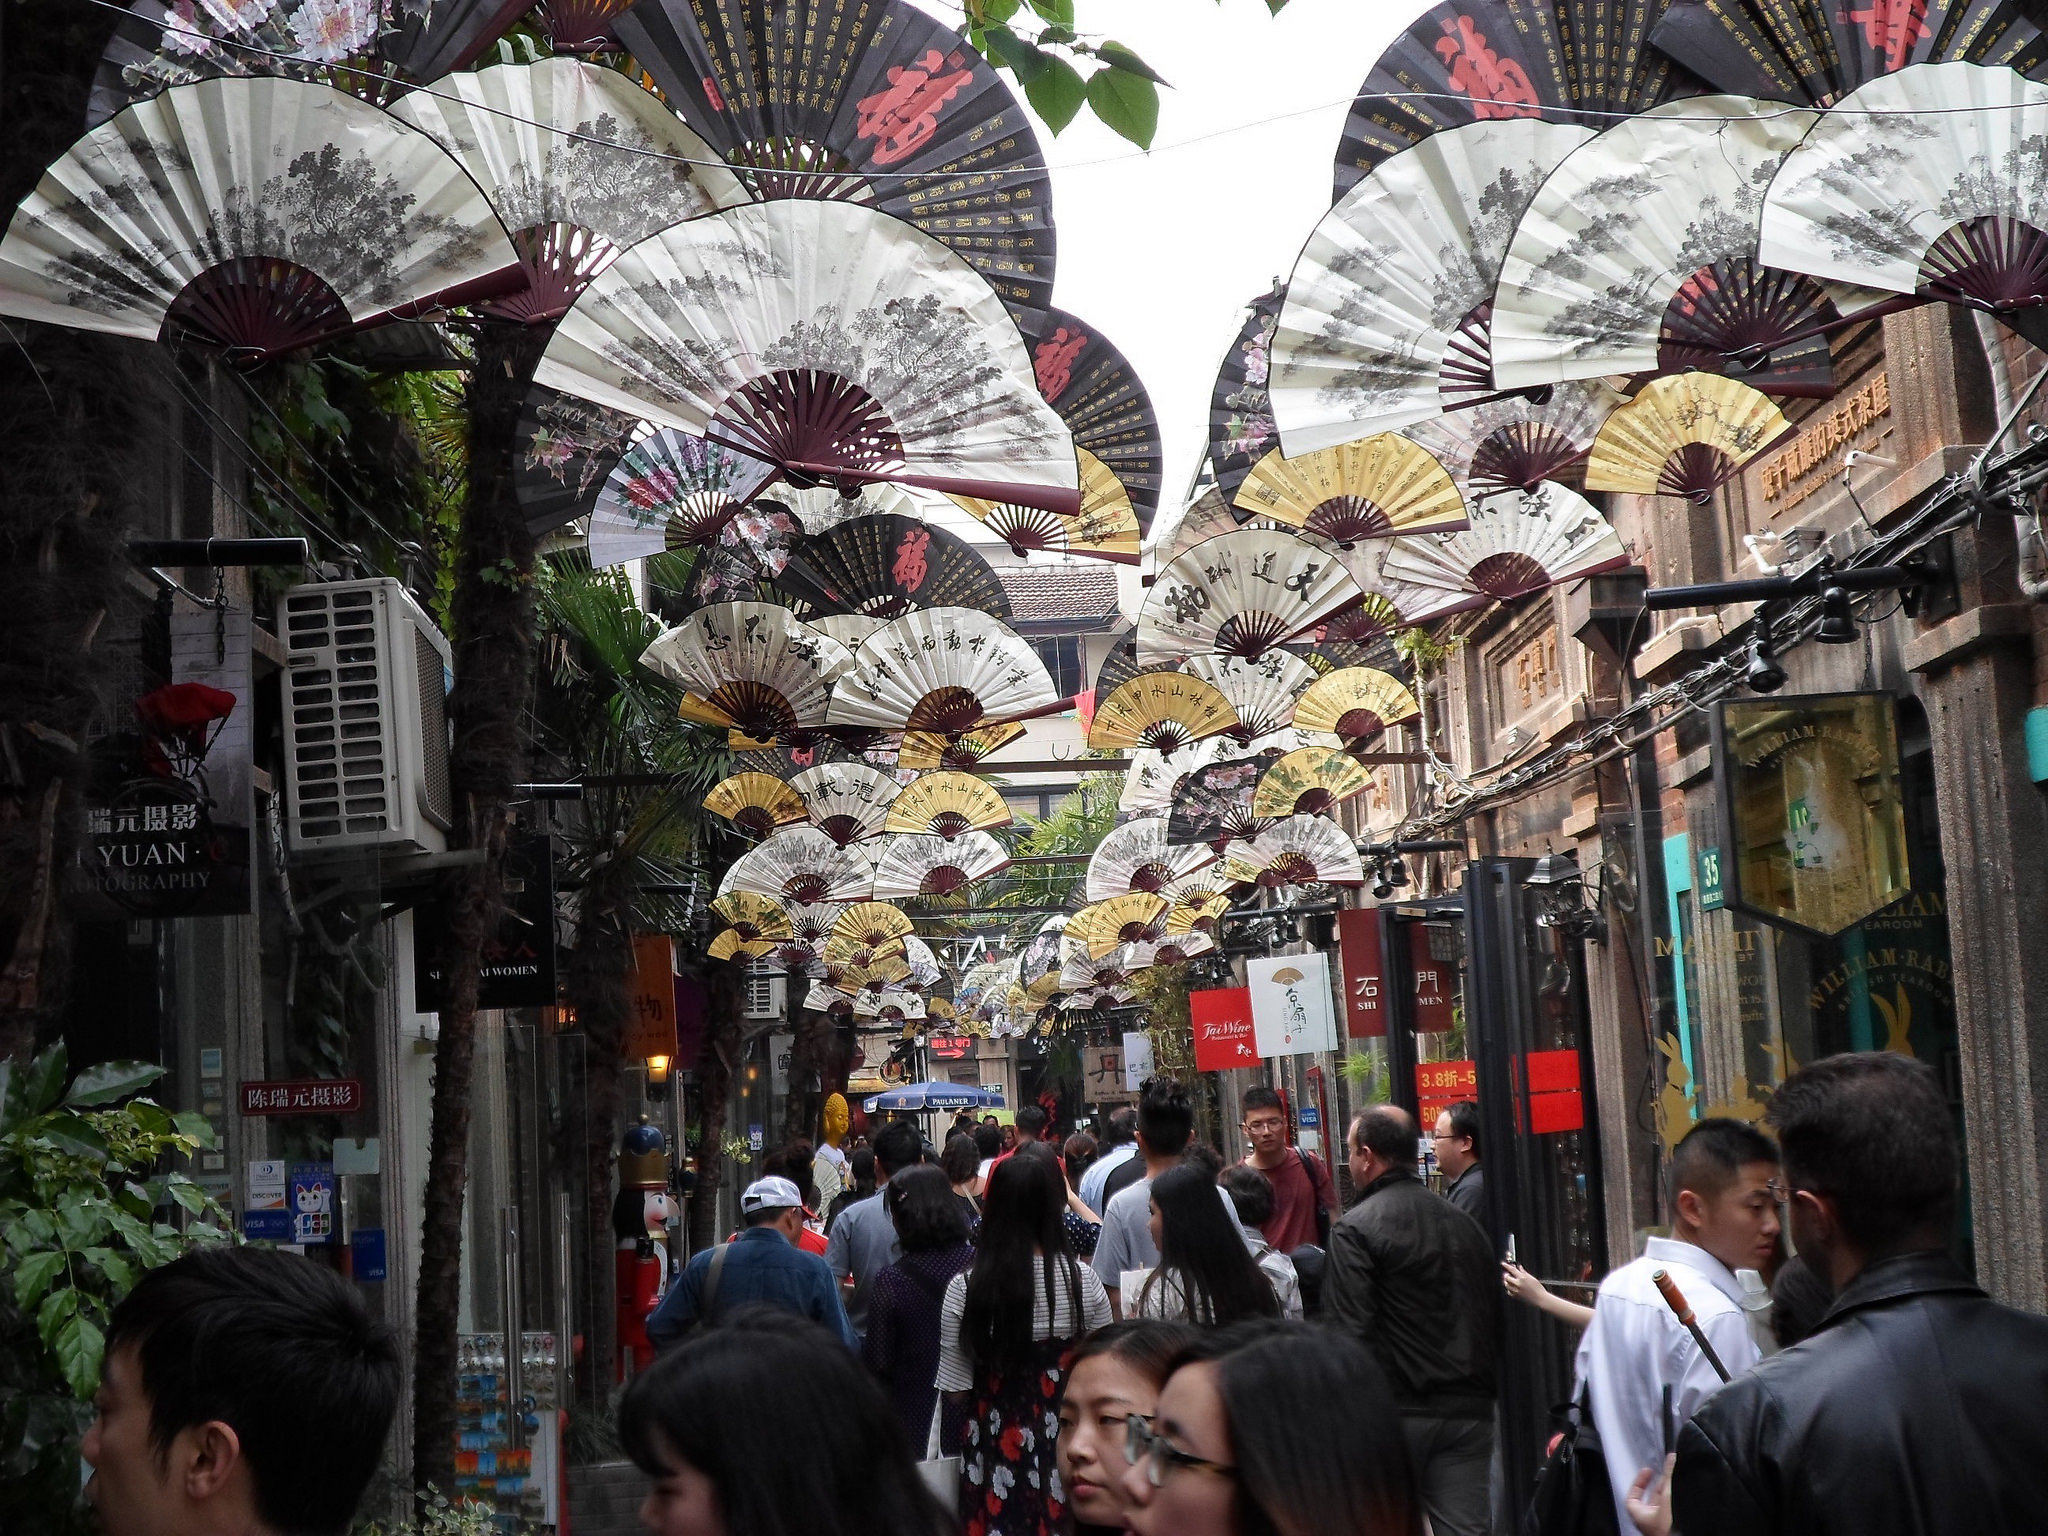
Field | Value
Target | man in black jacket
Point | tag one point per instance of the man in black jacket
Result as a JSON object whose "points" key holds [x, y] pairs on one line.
{"points": [[1415, 1279], [1919, 1407]]}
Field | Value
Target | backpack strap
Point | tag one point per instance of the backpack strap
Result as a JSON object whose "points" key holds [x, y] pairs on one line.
{"points": [[707, 1299]]}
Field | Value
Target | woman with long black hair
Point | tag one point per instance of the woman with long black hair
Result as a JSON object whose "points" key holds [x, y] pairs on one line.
{"points": [[1006, 1329], [1205, 1274]]}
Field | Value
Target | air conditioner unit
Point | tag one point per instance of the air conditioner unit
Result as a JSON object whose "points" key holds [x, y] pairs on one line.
{"points": [[366, 719], [767, 995]]}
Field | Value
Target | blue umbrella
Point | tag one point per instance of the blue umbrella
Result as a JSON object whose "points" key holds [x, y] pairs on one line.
{"points": [[934, 1096]]}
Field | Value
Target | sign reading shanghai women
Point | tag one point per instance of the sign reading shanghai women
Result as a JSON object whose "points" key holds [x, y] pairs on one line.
{"points": [[1292, 1013]]}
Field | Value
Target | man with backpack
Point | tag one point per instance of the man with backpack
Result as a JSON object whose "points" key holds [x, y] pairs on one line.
{"points": [[1303, 1197], [762, 1266]]}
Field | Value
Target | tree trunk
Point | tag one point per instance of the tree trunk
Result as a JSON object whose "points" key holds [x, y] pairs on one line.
{"points": [[814, 1041], [715, 1062], [494, 648], [597, 986]]}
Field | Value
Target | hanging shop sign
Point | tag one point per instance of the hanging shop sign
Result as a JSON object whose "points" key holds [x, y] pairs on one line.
{"points": [[651, 999], [1813, 822], [303, 1096], [1291, 1008], [1429, 979], [1222, 1021], [1104, 1079], [1551, 1080], [1362, 958], [1138, 1060], [519, 961], [171, 799]]}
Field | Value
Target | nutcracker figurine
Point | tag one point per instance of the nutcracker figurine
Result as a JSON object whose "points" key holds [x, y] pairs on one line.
{"points": [[641, 1216]]}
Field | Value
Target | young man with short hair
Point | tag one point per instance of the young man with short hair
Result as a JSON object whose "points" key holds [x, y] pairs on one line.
{"points": [[1119, 1146], [1916, 1408], [1166, 1124], [863, 1240], [1723, 1185], [763, 1266], [1303, 1197], [245, 1392]]}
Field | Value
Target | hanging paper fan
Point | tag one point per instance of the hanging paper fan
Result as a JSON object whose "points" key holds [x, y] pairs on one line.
{"points": [[947, 804], [1152, 780], [730, 946], [259, 215], [1387, 314], [755, 803], [792, 331], [1241, 594], [1132, 918], [1165, 711], [567, 450], [1519, 542], [1099, 396], [670, 491], [1387, 608], [889, 564], [1213, 805], [1308, 782], [849, 629], [1172, 949], [1467, 61], [1137, 857], [923, 750], [1261, 692], [1518, 443], [876, 104], [1041, 957], [1639, 255], [1683, 436], [812, 923], [1240, 411], [1372, 489], [942, 669], [1356, 704], [1201, 520], [1201, 915], [753, 916], [1817, 51], [1106, 527], [1120, 664], [1302, 850], [1084, 973], [846, 801], [861, 957], [751, 667], [800, 865], [912, 865], [1929, 181], [825, 998], [894, 1006], [156, 46], [579, 163]]}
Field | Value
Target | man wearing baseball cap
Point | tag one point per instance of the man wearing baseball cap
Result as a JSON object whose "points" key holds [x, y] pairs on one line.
{"points": [[761, 1267]]}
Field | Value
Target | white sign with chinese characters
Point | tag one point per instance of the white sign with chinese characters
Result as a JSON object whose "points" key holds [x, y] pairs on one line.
{"points": [[1137, 1059], [1292, 1014]]}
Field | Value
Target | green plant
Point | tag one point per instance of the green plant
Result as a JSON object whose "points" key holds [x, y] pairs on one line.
{"points": [[1424, 652], [80, 1196], [438, 1517], [1367, 1075]]}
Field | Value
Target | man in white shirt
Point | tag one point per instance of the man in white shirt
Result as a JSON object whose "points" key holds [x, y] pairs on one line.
{"points": [[1121, 1146], [1724, 1203], [1166, 1124]]}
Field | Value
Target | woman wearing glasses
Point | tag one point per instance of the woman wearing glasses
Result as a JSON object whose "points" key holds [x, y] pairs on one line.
{"points": [[1115, 1374], [1230, 1452]]}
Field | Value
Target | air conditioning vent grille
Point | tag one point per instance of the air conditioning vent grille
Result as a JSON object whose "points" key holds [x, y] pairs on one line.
{"points": [[434, 791]]}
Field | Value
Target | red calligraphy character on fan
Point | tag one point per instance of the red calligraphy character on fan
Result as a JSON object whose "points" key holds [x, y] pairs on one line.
{"points": [[910, 568], [1054, 362], [1498, 87], [1895, 26], [902, 119]]}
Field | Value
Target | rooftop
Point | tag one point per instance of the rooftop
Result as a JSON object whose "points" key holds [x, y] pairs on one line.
{"points": [[1068, 598]]}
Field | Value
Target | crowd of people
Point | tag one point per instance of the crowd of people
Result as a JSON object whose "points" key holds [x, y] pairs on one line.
{"points": [[1017, 1338]]}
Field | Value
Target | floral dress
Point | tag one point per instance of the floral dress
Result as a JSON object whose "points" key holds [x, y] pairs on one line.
{"points": [[1009, 1463]]}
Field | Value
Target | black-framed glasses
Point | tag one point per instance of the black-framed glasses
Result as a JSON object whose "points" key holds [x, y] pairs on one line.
{"points": [[1157, 1453]]}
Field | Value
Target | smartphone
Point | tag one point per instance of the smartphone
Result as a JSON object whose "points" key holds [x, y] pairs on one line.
{"points": [[1511, 1249]]}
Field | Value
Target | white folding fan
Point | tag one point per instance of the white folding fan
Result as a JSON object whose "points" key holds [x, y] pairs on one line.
{"points": [[1137, 857], [670, 491], [753, 667], [579, 162], [812, 922], [826, 998], [1172, 949], [258, 213], [1386, 319], [1930, 181], [1300, 850], [800, 865], [1638, 255], [915, 864], [1262, 691], [1519, 542], [941, 669], [1241, 594], [846, 801], [849, 629], [831, 340]]}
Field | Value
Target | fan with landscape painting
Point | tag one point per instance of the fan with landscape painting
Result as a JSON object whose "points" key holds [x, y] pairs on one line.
{"points": [[1165, 711], [886, 564], [1260, 693], [945, 670], [1517, 442], [1370, 489], [1684, 436], [949, 804], [730, 946], [1101, 399], [1301, 850], [1137, 857], [800, 865], [1133, 918], [1356, 704], [1519, 542], [753, 916], [1241, 594], [1200, 520], [750, 667], [846, 801], [1309, 781], [1241, 427], [910, 865], [755, 802], [253, 215]]}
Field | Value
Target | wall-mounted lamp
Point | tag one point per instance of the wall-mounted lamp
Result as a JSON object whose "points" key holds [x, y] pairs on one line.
{"points": [[1564, 902], [657, 1077]]}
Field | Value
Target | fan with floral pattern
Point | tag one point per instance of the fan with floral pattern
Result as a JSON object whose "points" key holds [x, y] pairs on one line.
{"points": [[1240, 412], [1309, 781], [674, 491], [1213, 805]]}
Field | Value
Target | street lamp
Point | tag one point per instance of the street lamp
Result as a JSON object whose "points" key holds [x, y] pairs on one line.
{"points": [[1564, 902]]}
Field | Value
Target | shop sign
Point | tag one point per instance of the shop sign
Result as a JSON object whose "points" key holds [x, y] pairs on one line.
{"points": [[312, 1202], [651, 999], [1362, 960], [780, 1049], [1138, 1059], [1551, 1079], [519, 959], [945, 1047], [1291, 1011], [1430, 997], [1440, 1084], [1105, 1075], [266, 1215], [366, 1255], [303, 1096], [1813, 824], [1222, 1020], [1812, 459]]}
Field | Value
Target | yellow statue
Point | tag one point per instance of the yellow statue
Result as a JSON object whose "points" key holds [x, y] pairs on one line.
{"points": [[828, 1164], [838, 1121]]}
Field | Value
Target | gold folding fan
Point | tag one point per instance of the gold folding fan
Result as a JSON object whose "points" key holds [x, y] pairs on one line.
{"points": [[1123, 919], [947, 804], [1161, 710], [1198, 916], [871, 923], [1307, 782], [754, 916], [1684, 435], [730, 946], [1107, 527], [860, 954], [1371, 489], [755, 802], [935, 749], [1355, 704]]}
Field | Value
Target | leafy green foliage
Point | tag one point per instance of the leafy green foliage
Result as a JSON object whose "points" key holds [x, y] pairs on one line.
{"points": [[82, 1215], [1122, 90], [438, 1517]]}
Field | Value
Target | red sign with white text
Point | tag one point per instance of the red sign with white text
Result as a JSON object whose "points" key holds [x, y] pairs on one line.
{"points": [[1362, 959], [1432, 983], [1222, 1020], [304, 1096]]}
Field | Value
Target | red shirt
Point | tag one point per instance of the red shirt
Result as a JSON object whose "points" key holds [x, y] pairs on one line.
{"points": [[1295, 1200]]}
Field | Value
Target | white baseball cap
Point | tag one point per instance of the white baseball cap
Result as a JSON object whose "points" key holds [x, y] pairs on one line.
{"points": [[771, 1193]]}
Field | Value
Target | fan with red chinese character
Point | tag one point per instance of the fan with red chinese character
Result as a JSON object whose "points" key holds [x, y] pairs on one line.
{"points": [[876, 104], [1301, 850], [1241, 427], [1100, 397], [800, 865], [948, 804], [751, 667], [1519, 542], [886, 564], [1137, 857], [945, 670], [1241, 594], [911, 865], [254, 215], [846, 801]]}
